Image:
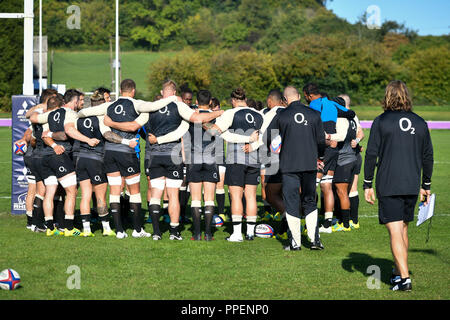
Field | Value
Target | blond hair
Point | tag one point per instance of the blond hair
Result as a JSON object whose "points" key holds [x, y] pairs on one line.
{"points": [[171, 84], [397, 97], [97, 98]]}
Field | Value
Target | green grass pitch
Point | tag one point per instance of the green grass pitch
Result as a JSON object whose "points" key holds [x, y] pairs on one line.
{"points": [[145, 269], [93, 69]]}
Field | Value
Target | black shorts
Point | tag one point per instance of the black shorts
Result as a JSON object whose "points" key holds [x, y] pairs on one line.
{"points": [[358, 163], [291, 194], [30, 167], [57, 165], [126, 163], [91, 169], [274, 178], [396, 208], [345, 173], [202, 173], [162, 166], [330, 160], [37, 168], [75, 158], [241, 175]]}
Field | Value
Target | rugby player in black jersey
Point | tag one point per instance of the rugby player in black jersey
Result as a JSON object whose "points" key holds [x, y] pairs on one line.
{"points": [[243, 169], [59, 166], [165, 163], [400, 147], [298, 166], [125, 117]]}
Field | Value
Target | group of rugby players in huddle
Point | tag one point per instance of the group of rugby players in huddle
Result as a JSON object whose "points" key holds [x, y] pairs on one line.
{"points": [[75, 148]]}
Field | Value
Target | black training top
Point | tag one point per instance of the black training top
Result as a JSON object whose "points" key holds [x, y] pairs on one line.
{"points": [[401, 141], [91, 128], [302, 133]]}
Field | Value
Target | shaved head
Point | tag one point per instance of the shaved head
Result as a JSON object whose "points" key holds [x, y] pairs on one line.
{"points": [[291, 94], [346, 99]]}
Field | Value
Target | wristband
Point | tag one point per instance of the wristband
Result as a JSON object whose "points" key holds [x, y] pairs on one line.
{"points": [[126, 142], [426, 186], [357, 140], [54, 145]]}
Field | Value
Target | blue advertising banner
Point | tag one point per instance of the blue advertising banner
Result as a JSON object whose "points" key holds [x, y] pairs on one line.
{"points": [[19, 187]]}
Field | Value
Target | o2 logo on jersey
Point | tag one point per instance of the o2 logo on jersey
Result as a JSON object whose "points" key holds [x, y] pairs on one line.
{"points": [[353, 125], [119, 110], [87, 123], [406, 127], [300, 119], [56, 117], [165, 110], [176, 174], [250, 118]]}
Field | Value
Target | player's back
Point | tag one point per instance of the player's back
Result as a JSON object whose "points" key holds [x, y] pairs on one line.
{"points": [[346, 153], [245, 122], [122, 110], [301, 131], [200, 145], [160, 123], [90, 127], [56, 122], [402, 136]]}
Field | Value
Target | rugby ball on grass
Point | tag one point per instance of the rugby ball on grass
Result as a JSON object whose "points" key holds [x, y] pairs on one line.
{"points": [[217, 221], [9, 279], [20, 148], [264, 231]]}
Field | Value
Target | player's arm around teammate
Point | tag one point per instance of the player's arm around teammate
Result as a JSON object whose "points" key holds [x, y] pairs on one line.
{"points": [[168, 175]]}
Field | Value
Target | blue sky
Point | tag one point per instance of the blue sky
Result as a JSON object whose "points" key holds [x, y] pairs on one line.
{"points": [[428, 17]]}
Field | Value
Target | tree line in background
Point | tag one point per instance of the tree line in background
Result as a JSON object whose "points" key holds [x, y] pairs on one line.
{"points": [[260, 45]]}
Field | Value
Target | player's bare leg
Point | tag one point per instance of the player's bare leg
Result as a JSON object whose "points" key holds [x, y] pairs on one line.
{"points": [[398, 246], [251, 210], [85, 206]]}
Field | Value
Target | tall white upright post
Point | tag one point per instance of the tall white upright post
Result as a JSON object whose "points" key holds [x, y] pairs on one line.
{"points": [[117, 50], [28, 87], [40, 47]]}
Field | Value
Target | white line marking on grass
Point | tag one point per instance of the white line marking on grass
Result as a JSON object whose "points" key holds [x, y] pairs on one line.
{"points": [[376, 215]]}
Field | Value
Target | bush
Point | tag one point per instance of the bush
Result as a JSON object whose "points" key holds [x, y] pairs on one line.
{"points": [[338, 64], [253, 71], [219, 72], [428, 73], [11, 57], [185, 67]]}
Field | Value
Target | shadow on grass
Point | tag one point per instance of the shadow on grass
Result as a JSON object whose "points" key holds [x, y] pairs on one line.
{"points": [[427, 251], [362, 261]]}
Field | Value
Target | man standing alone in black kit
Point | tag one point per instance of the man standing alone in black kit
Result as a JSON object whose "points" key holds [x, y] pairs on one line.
{"points": [[401, 141]]}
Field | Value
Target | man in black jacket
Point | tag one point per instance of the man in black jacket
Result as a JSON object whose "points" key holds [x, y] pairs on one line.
{"points": [[401, 141], [302, 134]]}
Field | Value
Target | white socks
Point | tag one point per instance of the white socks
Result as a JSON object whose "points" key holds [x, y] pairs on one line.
{"points": [[294, 224], [311, 225], [237, 225], [106, 226], [251, 223]]}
